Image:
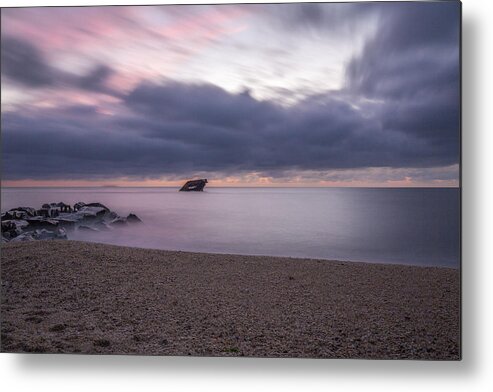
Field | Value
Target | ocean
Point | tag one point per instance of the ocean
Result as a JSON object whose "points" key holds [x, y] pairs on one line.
{"points": [[418, 226]]}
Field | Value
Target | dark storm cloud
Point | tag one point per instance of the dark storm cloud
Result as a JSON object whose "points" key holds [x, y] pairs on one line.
{"points": [[183, 129], [25, 64], [94, 80], [415, 51], [201, 103], [78, 143], [412, 66]]}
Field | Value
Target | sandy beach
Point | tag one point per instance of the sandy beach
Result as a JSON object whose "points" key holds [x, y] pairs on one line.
{"points": [[75, 297]]}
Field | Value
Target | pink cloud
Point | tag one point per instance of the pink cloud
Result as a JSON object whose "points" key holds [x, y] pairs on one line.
{"points": [[75, 28], [138, 42]]}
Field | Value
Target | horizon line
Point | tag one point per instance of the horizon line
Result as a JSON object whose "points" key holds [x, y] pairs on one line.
{"points": [[234, 186]]}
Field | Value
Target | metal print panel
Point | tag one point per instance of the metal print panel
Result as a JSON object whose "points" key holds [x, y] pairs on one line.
{"points": [[267, 180]]}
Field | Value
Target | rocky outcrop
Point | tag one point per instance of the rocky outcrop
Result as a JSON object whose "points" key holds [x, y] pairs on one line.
{"points": [[53, 220], [194, 185]]}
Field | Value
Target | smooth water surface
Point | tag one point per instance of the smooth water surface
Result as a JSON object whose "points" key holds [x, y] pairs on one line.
{"points": [[408, 226]]}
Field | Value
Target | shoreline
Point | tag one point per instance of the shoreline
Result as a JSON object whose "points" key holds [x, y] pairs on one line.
{"points": [[295, 258], [80, 297]]}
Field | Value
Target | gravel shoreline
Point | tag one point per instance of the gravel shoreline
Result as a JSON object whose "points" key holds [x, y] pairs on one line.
{"points": [[76, 297]]}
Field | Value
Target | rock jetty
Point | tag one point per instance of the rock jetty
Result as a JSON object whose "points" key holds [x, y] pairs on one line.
{"points": [[194, 185], [54, 220]]}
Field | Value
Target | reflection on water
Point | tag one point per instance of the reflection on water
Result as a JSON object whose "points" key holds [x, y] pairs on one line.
{"points": [[412, 226]]}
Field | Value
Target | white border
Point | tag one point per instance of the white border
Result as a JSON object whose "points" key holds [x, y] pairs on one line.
{"points": [[87, 373]]}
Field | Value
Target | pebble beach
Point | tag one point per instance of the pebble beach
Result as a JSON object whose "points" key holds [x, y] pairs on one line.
{"points": [[88, 298]]}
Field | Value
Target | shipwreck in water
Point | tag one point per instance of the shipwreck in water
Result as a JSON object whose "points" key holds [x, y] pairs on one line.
{"points": [[194, 185]]}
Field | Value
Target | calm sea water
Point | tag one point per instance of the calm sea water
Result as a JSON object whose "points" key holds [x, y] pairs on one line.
{"points": [[405, 226]]}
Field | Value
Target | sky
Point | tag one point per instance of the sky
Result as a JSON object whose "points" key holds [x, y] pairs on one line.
{"points": [[341, 94]]}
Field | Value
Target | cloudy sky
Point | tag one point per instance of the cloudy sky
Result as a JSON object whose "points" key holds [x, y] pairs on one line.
{"points": [[361, 94]]}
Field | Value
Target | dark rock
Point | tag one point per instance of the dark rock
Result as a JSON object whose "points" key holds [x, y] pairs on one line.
{"points": [[111, 215], [16, 214], [52, 210], [12, 228], [70, 217], [23, 237], [29, 211], [61, 234], [87, 228], [102, 226], [18, 224], [132, 218], [78, 205], [40, 222], [119, 221], [66, 223], [43, 234], [92, 212], [194, 185], [58, 328], [64, 207], [102, 343], [43, 212], [98, 205]]}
